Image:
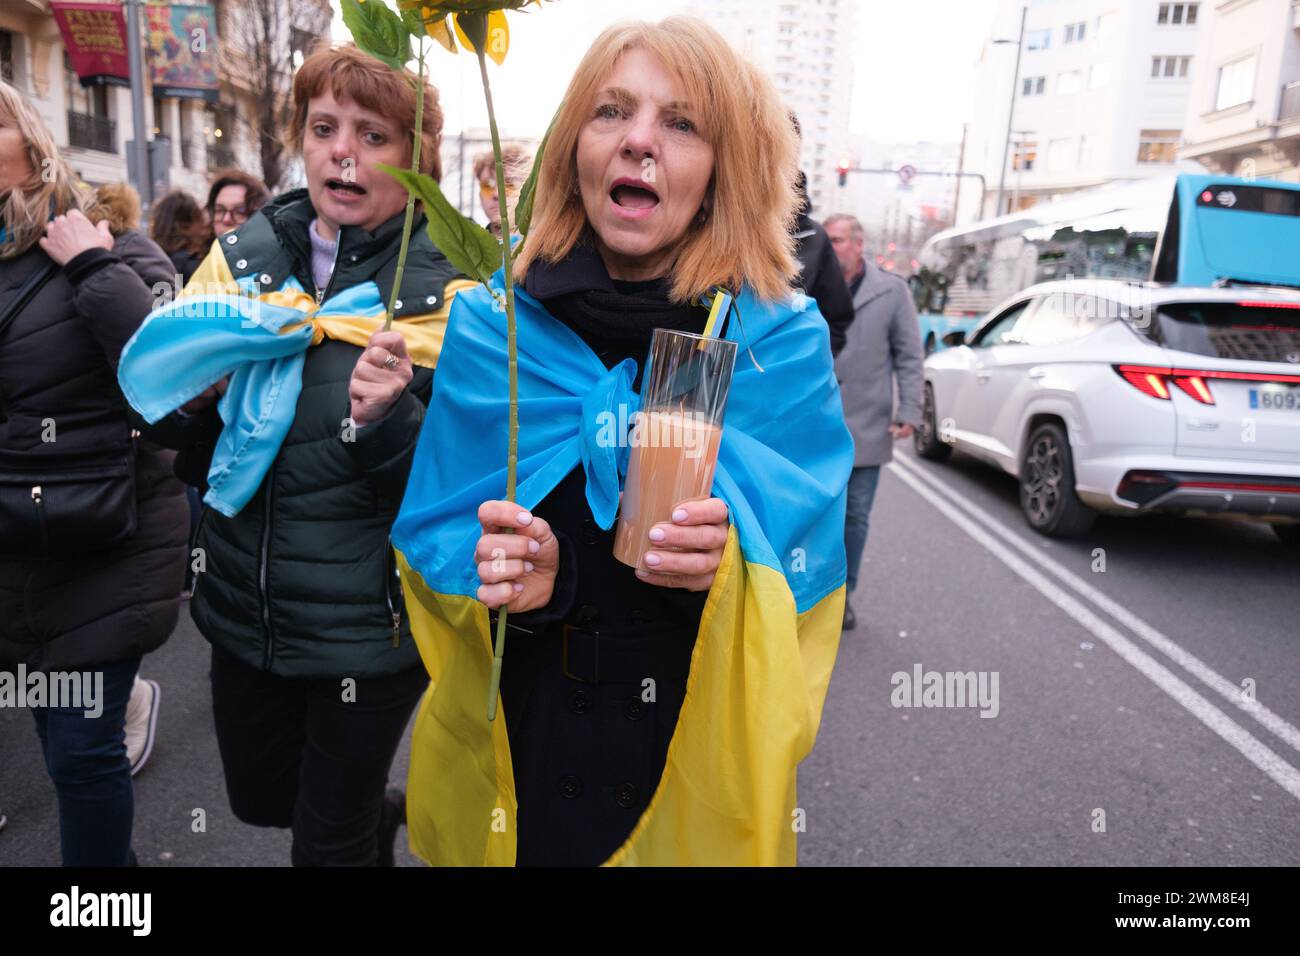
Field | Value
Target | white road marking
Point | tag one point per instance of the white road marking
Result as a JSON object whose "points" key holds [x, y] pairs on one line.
{"points": [[1281, 772], [1162, 642]]}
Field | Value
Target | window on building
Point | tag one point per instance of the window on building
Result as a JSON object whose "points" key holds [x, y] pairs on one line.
{"points": [[1236, 83], [161, 126], [1106, 25], [1170, 67], [1074, 32], [1158, 145], [89, 101], [1071, 81], [1098, 75], [1060, 155], [6, 56], [1038, 39], [1033, 86], [1022, 160], [1177, 14]]}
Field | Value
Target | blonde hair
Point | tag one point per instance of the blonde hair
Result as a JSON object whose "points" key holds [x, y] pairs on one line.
{"points": [[50, 189], [745, 239], [514, 158]]}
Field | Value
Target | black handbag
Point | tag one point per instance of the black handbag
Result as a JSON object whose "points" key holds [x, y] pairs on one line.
{"points": [[51, 507]]}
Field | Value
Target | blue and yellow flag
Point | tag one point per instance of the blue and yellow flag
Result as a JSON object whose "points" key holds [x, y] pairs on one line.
{"points": [[771, 623], [219, 326]]}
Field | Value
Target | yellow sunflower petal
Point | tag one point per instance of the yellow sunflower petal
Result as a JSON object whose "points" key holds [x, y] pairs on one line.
{"points": [[443, 35], [498, 36]]}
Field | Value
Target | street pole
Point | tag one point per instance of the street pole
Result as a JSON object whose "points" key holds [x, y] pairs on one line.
{"points": [[1011, 110], [961, 168], [135, 56]]}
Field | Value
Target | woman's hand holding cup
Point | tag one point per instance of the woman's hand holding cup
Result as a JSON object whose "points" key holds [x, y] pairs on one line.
{"points": [[689, 548], [517, 570]]}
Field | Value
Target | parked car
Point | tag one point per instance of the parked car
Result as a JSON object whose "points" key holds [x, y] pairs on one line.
{"points": [[1120, 397]]}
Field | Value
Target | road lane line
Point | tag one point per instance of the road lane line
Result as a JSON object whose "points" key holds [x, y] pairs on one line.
{"points": [[1162, 642], [1281, 772]]}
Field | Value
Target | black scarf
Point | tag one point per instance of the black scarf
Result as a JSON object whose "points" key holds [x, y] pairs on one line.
{"points": [[615, 318]]}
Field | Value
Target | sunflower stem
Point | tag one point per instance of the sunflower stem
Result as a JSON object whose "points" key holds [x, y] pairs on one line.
{"points": [[410, 196], [512, 453]]}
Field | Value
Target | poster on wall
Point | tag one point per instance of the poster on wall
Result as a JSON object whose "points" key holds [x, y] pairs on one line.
{"points": [[182, 45], [94, 34]]}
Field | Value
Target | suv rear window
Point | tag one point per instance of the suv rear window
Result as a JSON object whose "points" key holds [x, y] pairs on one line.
{"points": [[1228, 330]]}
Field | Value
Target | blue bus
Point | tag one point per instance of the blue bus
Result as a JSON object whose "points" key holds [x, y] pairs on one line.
{"points": [[1195, 230]]}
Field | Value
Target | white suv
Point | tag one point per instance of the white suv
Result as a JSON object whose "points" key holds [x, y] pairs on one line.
{"points": [[1108, 396]]}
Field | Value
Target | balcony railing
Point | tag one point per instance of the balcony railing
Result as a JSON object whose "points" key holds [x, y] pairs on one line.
{"points": [[92, 132], [1290, 109], [220, 157]]}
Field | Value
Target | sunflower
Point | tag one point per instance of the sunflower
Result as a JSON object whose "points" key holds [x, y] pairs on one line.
{"points": [[478, 23]]}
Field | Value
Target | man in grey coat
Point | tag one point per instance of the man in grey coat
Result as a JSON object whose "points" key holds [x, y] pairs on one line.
{"points": [[883, 351]]}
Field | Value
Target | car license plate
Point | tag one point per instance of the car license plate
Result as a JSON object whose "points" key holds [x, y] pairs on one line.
{"points": [[1280, 398]]}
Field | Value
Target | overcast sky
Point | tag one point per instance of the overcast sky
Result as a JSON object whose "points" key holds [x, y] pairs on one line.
{"points": [[913, 72]]}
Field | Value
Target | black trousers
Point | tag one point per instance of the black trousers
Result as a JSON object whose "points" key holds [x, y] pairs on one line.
{"points": [[296, 754]]}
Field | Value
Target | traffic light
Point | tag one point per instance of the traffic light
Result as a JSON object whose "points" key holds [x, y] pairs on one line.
{"points": [[844, 171]]}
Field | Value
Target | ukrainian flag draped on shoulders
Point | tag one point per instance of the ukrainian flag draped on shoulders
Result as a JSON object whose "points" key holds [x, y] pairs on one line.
{"points": [[771, 624], [221, 326]]}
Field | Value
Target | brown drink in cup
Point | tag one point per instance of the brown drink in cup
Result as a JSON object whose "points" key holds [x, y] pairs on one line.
{"points": [[676, 465], [676, 438]]}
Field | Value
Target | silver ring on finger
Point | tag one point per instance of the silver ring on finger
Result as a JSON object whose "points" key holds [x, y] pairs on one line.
{"points": [[390, 363]]}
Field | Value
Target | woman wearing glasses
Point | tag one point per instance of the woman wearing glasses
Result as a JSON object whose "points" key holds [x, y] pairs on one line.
{"points": [[235, 195]]}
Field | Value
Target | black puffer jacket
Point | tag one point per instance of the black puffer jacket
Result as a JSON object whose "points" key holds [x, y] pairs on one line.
{"points": [[302, 582], [58, 360]]}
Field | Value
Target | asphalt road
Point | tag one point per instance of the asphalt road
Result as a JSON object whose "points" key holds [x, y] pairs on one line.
{"points": [[1119, 702], [1121, 697]]}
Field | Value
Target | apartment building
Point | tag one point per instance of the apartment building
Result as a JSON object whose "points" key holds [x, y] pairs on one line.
{"points": [[1243, 117], [807, 49], [1100, 95]]}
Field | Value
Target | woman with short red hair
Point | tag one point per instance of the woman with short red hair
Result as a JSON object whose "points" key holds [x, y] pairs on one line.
{"points": [[314, 673]]}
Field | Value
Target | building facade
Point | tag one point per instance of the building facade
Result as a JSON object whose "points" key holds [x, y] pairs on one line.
{"points": [[1243, 117], [1100, 96], [807, 49], [93, 125]]}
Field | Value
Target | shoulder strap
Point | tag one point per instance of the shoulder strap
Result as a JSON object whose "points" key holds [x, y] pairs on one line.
{"points": [[35, 282]]}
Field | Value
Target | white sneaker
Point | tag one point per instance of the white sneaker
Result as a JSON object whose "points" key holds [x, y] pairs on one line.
{"points": [[141, 722]]}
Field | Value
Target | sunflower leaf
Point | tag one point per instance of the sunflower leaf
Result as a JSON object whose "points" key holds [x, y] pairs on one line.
{"points": [[467, 245], [378, 31], [524, 207]]}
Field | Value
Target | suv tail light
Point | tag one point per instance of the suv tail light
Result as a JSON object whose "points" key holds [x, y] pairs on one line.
{"points": [[1147, 380], [1154, 380]]}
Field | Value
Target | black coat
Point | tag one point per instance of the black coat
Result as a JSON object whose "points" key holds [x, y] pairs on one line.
{"points": [[58, 360], [589, 746], [823, 280], [821, 275]]}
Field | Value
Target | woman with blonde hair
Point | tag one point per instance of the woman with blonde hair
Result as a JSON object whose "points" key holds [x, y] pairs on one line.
{"points": [[652, 715], [93, 545]]}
